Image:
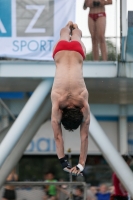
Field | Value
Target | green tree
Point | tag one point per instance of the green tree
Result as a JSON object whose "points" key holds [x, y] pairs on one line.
{"points": [[111, 51]]}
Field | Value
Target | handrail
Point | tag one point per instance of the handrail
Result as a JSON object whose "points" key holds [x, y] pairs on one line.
{"points": [[40, 183]]}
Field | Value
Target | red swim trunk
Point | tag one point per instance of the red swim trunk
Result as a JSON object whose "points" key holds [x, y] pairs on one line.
{"points": [[69, 46], [97, 15]]}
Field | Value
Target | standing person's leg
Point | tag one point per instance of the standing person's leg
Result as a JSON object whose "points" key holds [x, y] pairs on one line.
{"points": [[94, 37], [101, 26]]}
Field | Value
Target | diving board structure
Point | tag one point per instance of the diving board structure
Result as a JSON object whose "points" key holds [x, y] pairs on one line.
{"points": [[39, 69], [24, 128], [29, 121], [126, 63]]}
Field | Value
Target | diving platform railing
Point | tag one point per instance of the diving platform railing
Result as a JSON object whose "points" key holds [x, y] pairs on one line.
{"points": [[43, 183], [46, 69]]}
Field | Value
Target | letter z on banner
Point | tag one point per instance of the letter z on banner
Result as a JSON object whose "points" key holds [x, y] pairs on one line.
{"points": [[30, 28]]}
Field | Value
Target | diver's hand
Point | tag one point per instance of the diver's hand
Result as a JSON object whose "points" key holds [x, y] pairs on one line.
{"points": [[77, 170]]}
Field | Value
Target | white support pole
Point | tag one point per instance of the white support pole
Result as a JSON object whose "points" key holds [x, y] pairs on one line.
{"points": [[113, 158], [25, 139], [124, 18], [24, 119], [123, 131]]}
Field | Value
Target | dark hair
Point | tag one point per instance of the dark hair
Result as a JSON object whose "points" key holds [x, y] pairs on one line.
{"points": [[71, 118], [50, 172], [80, 189]]}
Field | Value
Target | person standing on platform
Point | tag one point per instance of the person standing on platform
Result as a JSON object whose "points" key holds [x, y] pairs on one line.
{"points": [[97, 26]]}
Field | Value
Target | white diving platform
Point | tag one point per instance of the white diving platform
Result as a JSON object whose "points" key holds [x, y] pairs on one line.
{"points": [[45, 69]]}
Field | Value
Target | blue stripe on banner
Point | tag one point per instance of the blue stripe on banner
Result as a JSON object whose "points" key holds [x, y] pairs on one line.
{"points": [[11, 95]]}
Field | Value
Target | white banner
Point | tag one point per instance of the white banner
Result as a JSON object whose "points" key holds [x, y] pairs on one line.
{"points": [[30, 28], [44, 143]]}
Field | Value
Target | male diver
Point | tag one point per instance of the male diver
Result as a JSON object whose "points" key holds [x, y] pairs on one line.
{"points": [[69, 94]]}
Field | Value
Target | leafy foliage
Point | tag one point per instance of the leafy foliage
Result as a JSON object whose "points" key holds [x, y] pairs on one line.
{"points": [[111, 50]]}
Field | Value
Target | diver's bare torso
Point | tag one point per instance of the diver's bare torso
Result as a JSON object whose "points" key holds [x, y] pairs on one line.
{"points": [[69, 86]]}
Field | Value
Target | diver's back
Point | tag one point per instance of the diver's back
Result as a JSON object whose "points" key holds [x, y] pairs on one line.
{"points": [[69, 76]]}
